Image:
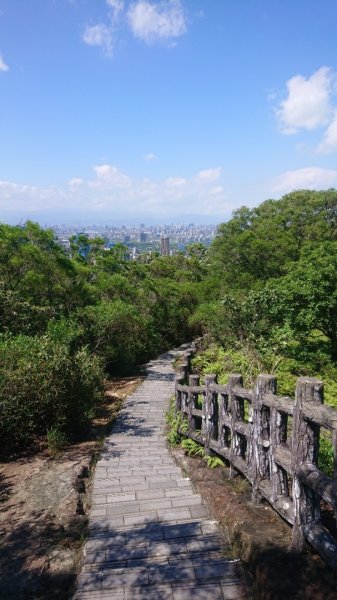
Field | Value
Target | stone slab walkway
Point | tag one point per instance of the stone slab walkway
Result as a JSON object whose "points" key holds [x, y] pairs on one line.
{"points": [[150, 534]]}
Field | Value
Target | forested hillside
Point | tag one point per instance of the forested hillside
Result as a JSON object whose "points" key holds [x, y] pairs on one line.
{"points": [[273, 305], [66, 323], [264, 296]]}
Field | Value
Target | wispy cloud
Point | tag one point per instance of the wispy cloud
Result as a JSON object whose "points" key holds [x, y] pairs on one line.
{"points": [[111, 189], [313, 178], [3, 66], [150, 156], [18, 197], [153, 21], [116, 5], [148, 21], [209, 175], [99, 35], [104, 34]]}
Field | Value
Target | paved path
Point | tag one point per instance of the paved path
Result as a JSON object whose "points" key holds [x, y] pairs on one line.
{"points": [[151, 536]]}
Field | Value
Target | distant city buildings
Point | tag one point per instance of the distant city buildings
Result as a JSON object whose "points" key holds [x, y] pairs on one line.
{"points": [[141, 239]]}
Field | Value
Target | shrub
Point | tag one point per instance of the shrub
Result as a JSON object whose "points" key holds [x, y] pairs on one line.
{"points": [[44, 385], [56, 440], [120, 334]]}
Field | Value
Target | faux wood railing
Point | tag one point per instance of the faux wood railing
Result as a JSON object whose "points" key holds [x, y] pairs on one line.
{"points": [[273, 441]]}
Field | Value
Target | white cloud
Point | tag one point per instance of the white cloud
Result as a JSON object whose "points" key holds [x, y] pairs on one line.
{"points": [[99, 35], [329, 141], [3, 66], [151, 21], [110, 175], [15, 196], [308, 104], [116, 5], [175, 182], [307, 178], [150, 156], [112, 192], [209, 174], [216, 190], [75, 182]]}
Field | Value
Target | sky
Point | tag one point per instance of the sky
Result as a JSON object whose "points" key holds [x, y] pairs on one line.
{"points": [[166, 111]]}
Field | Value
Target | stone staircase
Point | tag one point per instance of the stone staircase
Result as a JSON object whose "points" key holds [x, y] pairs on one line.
{"points": [[150, 534]]}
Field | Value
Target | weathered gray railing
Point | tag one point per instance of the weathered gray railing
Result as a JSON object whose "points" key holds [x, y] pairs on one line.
{"points": [[273, 441]]}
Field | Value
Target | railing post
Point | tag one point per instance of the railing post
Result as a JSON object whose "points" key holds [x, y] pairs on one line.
{"points": [[178, 394], [184, 369], [278, 435], [334, 445], [209, 412], [236, 414], [260, 439], [188, 360], [193, 381], [305, 446]]}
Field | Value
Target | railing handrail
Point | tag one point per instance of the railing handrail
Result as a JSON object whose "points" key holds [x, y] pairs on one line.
{"points": [[255, 438]]}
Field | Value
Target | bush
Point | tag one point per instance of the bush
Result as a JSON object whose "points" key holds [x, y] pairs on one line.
{"points": [[44, 385], [120, 334], [56, 440]]}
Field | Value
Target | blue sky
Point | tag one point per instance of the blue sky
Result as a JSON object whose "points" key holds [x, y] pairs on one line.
{"points": [[163, 111]]}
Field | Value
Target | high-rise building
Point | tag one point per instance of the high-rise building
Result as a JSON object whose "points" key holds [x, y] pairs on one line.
{"points": [[165, 246]]}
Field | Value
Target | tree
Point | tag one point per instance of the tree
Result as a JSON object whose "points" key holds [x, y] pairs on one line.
{"points": [[36, 277], [257, 244], [306, 297]]}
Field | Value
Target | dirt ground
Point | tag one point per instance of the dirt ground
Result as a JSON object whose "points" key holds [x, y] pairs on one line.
{"points": [[43, 506]]}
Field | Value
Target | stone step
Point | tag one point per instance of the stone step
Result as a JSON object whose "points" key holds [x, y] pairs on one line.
{"points": [[176, 571], [96, 561], [156, 531], [101, 551], [161, 515]]}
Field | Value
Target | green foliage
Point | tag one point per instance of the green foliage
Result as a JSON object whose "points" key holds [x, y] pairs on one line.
{"points": [[274, 308], [326, 455], [56, 440], [256, 244], [218, 361], [119, 333], [44, 385], [178, 426], [62, 318], [305, 298], [264, 296], [192, 448], [214, 461]]}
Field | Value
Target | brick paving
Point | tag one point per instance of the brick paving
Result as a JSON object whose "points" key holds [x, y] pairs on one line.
{"points": [[150, 534]]}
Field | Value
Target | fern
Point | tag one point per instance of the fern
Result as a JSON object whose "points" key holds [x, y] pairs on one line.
{"points": [[214, 461], [178, 426], [193, 448]]}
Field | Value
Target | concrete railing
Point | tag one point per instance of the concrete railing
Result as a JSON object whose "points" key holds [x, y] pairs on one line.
{"points": [[273, 441]]}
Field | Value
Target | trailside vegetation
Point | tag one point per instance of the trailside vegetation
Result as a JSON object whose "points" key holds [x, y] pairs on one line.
{"points": [[264, 297], [274, 307], [67, 323], [273, 274]]}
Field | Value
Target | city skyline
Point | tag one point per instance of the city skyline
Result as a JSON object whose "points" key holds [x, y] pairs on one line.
{"points": [[167, 110]]}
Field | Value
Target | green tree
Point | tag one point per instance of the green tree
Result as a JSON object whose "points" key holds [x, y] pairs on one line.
{"points": [[306, 297], [257, 244]]}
